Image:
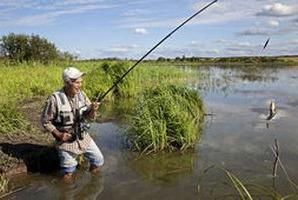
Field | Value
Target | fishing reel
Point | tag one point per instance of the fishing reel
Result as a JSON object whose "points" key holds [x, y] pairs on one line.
{"points": [[85, 126]]}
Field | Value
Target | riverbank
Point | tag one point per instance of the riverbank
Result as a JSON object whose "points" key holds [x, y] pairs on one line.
{"points": [[27, 151], [24, 151]]}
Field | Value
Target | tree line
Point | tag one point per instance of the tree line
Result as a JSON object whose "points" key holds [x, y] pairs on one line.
{"points": [[25, 48]]}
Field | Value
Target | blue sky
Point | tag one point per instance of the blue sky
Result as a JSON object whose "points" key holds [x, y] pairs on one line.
{"points": [[128, 29]]}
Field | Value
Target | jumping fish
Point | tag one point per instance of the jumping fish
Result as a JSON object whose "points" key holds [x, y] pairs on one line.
{"points": [[272, 110]]}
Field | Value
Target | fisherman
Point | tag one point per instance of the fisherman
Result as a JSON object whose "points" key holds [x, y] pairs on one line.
{"points": [[59, 118]]}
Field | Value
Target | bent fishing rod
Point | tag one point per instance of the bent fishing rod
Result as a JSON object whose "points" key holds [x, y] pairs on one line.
{"points": [[101, 97]]}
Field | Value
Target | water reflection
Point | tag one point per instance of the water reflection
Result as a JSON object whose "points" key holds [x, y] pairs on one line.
{"points": [[223, 79], [85, 186], [163, 169]]}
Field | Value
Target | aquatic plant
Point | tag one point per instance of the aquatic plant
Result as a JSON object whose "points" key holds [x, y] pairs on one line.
{"points": [[258, 190], [248, 191], [239, 186], [166, 118]]}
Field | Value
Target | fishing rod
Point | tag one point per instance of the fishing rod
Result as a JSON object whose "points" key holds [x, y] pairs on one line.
{"points": [[101, 97], [265, 45]]}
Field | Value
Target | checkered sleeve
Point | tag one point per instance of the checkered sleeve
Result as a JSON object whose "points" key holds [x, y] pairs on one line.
{"points": [[49, 113]]}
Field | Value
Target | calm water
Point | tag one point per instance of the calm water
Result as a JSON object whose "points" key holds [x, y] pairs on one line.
{"points": [[236, 138]]}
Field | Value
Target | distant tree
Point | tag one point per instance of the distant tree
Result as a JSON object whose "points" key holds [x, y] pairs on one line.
{"points": [[24, 48], [161, 59], [177, 58], [183, 58]]}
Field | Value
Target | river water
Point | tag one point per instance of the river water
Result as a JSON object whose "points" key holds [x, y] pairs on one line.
{"points": [[236, 137]]}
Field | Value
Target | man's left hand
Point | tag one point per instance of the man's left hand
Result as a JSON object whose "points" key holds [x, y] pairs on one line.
{"points": [[95, 106]]}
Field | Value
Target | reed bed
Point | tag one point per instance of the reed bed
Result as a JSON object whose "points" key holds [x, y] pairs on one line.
{"points": [[166, 118]]}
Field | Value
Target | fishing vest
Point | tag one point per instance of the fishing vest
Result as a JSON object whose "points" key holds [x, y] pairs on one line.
{"points": [[65, 113]]}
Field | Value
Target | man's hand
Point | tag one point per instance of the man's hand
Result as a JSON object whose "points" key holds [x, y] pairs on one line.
{"points": [[95, 106], [64, 137]]}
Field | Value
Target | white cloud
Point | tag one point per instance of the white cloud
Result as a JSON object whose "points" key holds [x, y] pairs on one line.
{"points": [[140, 31], [253, 31], [134, 13], [50, 15], [244, 44], [213, 51], [194, 43], [278, 10], [123, 48], [273, 23], [220, 41], [114, 51], [119, 49]]}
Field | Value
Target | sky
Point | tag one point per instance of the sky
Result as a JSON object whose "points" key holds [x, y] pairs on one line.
{"points": [[129, 28]]}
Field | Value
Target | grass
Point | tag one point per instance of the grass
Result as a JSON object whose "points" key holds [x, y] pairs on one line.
{"points": [[165, 118], [259, 191], [3, 184], [11, 120], [249, 191], [25, 81]]}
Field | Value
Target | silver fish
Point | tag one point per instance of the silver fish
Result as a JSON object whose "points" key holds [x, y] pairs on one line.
{"points": [[272, 110]]}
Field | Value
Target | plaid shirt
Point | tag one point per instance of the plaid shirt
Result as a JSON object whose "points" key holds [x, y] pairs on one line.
{"points": [[49, 114]]}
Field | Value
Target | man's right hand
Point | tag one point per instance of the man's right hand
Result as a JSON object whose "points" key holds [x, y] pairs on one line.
{"points": [[64, 137]]}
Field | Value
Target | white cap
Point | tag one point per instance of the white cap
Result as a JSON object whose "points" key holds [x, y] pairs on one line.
{"points": [[71, 73]]}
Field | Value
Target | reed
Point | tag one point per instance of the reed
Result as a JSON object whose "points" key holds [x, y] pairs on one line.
{"points": [[165, 118]]}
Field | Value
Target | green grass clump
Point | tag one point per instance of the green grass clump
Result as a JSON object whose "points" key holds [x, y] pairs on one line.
{"points": [[3, 184], [11, 120], [166, 118]]}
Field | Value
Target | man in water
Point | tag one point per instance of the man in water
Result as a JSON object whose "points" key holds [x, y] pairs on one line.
{"points": [[59, 117]]}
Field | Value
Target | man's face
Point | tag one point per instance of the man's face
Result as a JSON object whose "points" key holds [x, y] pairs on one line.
{"points": [[75, 85]]}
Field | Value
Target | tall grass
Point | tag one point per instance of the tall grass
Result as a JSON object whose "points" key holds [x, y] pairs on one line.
{"points": [[26, 81], [145, 76], [166, 118], [3, 184], [11, 120]]}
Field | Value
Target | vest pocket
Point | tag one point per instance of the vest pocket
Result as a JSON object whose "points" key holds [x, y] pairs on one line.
{"points": [[66, 118]]}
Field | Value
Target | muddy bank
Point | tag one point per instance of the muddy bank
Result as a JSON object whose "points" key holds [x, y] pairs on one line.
{"points": [[28, 152], [26, 157]]}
